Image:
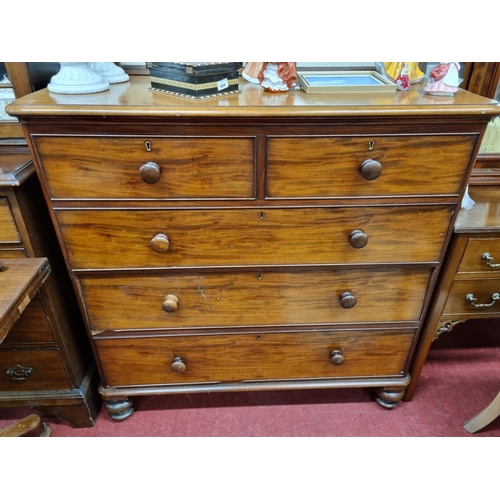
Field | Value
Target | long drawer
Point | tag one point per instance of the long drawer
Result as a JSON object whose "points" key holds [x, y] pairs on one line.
{"points": [[466, 295], [173, 301], [230, 358], [122, 167], [335, 166], [188, 238]]}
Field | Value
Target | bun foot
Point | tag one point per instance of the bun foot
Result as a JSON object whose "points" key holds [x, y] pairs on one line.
{"points": [[120, 409], [389, 398]]}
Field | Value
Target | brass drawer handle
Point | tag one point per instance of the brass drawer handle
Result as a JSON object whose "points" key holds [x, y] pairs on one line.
{"points": [[488, 258], [371, 169], [150, 172], [19, 373], [178, 365], [336, 357], [470, 297], [170, 303], [160, 243]]}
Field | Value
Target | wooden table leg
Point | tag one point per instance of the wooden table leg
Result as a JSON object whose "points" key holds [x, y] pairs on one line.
{"points": [[484, 417]]}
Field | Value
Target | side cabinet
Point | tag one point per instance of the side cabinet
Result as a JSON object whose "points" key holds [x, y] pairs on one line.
{"points": [[45, 360]]}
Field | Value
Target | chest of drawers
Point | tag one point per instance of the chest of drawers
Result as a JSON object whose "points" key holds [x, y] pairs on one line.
{"points": [[45, 360], [252, 241]]}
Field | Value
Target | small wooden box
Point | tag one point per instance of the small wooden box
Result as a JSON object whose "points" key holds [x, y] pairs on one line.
{"points": [[195, 79]]}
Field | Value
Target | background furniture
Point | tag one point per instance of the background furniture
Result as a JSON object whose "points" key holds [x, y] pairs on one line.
{"points": [[476, 234], [20, 280], [252, 241], [49, 339]]}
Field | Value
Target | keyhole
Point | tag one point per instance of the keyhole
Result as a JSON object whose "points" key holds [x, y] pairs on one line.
{"points": [[261, 215], [147, 145], [259, 276], [371, 145]]}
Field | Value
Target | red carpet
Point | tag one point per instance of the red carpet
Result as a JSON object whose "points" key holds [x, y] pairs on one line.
{"points": [[461, 377]]}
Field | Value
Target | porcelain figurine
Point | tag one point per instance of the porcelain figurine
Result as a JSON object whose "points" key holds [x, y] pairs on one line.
{"points": [[394, 69], [251, 72], [443, 79], [403, 80], [277, 76]]}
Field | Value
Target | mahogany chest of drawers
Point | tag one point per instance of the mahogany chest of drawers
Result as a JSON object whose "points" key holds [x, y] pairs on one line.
{"points": [[252, 241]]}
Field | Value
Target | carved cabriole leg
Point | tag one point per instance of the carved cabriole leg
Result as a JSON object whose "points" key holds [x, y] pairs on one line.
{"points": [[446, 326], [389, 398], [120, 409]]}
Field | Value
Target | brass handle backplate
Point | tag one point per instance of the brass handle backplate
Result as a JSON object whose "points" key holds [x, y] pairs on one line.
{"points": [[473, 301], [19, 373], [489, 259]]}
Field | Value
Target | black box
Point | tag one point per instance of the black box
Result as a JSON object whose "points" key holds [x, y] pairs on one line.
{"points": [[195, 79]]}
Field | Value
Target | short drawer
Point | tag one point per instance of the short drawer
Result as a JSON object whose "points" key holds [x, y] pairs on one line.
{"points": [[316, 167], [237, 358], [31, 328], [8, 228], [102, 239], [482, 255], [12, 253], [474, 298], [31, 370], [242, 299], [122, 167]]}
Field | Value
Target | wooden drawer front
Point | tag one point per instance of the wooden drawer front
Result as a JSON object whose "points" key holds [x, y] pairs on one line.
{"points": [[97, 238], [482, 290], [330, 166], [108, 167], [47, 371], [473, 261], [12, 253], [31, 328], [254, 298], [231, 358], [8, 228]]}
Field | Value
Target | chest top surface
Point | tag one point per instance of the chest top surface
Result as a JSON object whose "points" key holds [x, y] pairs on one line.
{"points": [[135, 98]]}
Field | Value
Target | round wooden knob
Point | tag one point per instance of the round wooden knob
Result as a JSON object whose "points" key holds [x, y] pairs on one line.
{"points": [[160, 243], [178, 365], [358, 239], [371, 169], [150, 172], [336, 357], [347, 300], [170, 303]]}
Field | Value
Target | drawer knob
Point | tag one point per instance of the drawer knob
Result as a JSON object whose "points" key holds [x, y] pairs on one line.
{"points": [[160, 243], [347, 300], [473, 301], [178, 365], [170, 303], [489, 259], [336, 357], [358, 239], [150, 172], [371, 169]]}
